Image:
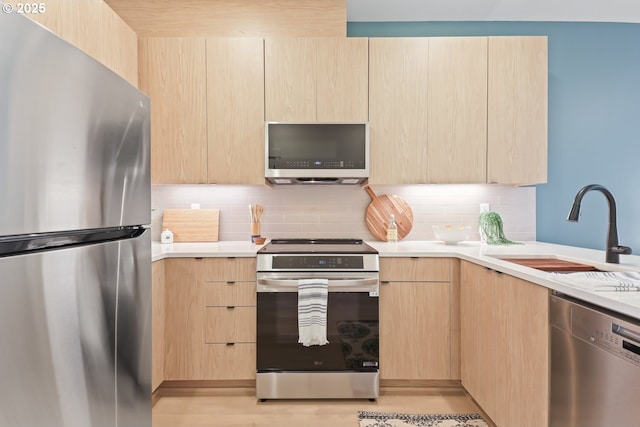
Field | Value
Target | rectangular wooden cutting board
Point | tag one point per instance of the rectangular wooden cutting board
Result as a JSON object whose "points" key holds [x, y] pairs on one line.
{"points": [[192, 225]]}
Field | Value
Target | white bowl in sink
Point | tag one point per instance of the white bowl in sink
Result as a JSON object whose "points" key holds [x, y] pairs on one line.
{"points": [[452, 234]]}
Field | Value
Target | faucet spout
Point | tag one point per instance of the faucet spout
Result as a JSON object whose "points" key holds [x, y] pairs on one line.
{"points": [[613, 248]]}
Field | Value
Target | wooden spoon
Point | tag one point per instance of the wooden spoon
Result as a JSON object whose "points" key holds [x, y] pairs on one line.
{"points": [[259, 212]]}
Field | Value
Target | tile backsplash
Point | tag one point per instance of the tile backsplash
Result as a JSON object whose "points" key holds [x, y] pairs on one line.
{"points": [[339, 211]]}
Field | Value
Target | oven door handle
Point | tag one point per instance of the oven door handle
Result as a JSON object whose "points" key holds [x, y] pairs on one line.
{"points": [[335, 285]]}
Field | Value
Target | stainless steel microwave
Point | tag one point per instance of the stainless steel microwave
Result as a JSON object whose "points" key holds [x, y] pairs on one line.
{"points": [[316, 153]]}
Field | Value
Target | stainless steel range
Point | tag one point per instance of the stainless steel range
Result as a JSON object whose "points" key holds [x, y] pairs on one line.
{"points": [[348, 365]]}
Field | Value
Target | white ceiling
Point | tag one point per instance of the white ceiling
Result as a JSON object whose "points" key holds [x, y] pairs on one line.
{"points": [[494, 10]]}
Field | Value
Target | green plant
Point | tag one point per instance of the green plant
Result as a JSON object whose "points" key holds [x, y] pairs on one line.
{"points": [[491, 228]]}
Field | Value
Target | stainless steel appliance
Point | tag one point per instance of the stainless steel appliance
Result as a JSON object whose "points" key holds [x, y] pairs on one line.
{"points": [[346, 367], [75, 250], [316, 153], [595, 366]]}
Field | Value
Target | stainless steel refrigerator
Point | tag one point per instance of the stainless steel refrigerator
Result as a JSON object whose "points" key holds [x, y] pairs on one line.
{"points": [[75, 250]]}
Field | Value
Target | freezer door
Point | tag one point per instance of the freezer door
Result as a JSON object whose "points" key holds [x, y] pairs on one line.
{"points": [[75, 334], [74, 137]]}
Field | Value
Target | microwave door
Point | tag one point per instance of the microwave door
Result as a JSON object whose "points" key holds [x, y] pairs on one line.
{"points": [[316, 153]]}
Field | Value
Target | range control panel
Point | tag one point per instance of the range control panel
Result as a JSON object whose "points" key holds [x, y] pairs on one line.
{"points": [[317, 262]]}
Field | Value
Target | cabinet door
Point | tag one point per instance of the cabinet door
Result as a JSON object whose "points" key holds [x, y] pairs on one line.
{"points": [[522, 356], [82, 25], [342, 80], [173, 74], [158, 316], [478, 332], [290, 79], [398, 69], [415, 269], [235, 109], [185, 320], [517, 121], [119, 46], [95, 28], [414, 331], [52, 16], [229, 362], [227, 269], [457, 110], [230, 324]]}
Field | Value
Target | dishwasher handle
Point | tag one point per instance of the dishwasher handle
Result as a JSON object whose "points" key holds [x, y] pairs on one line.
{"points": [[625, 333]]}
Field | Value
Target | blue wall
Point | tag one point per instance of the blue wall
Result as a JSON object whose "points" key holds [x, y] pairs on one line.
{"points": [[594, 119]]}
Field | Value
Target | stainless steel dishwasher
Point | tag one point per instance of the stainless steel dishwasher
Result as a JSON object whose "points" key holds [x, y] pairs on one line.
{"points": [[595, 366]]}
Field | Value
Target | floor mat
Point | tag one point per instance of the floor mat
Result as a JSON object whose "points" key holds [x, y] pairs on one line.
{"points": [[381, 419]]}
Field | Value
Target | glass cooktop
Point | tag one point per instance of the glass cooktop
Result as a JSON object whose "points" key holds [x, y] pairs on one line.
{"points": [[317, 246]]}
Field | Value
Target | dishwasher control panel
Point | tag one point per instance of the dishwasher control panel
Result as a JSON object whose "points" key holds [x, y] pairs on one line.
{"points": [[611, 334]]}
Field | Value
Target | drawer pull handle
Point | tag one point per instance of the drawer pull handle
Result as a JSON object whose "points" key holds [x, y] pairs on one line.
{"points": [[231, 307], [230, 344], [384, 282], [231, 282]]}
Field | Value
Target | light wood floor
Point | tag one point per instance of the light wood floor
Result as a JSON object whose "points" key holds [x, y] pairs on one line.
{"points": [[239, 407]]}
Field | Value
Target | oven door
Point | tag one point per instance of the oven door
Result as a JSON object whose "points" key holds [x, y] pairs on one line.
{"points": [[352, 324]]}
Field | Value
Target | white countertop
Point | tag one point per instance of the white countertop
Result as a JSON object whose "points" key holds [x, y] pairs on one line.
{"points": [[196, 250], [486, 255]]}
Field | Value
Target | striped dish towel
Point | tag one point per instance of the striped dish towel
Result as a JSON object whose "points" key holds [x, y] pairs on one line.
{"points": [[312, 311], [601, 281]]}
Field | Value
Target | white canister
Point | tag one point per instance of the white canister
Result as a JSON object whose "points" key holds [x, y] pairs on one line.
{"points": [[166, 236]]}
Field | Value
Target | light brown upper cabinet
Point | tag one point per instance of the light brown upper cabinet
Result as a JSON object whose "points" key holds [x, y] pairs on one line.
{"points": [[93, 27], [398, 70], [316, 79], [119, 46], [235, 110], [207, 109], [517, 114], [457, 110], [173, 73]]}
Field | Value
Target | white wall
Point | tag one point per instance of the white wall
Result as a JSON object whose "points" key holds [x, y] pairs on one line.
{"points": [[339, 211]]}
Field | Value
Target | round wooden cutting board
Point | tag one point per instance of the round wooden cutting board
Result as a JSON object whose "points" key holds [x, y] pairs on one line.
{"points": [[379, 213]]}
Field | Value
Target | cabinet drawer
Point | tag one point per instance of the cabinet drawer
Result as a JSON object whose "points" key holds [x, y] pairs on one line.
{"points": [[230, 325], [229, 362], [415, 269], [229, 293], [218, 269]]}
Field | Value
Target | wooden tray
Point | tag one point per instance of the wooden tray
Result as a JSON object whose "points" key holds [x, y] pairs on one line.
{"points": [[379, 213], [192, 225]]}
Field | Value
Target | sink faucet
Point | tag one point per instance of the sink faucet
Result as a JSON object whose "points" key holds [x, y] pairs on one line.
{"points": [[613, 248]]}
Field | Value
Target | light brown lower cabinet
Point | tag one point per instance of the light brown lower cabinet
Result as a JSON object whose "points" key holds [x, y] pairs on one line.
{"points": [[210, 326], [505, 346], [157, 324], [415, 326], [230, 361]]}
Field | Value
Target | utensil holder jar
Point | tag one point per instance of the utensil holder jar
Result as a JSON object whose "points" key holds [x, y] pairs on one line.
{"points": [[255, 230]]}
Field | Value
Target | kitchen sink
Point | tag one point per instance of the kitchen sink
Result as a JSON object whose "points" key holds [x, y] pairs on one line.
{"points": [[550, 264], [580, 275]]}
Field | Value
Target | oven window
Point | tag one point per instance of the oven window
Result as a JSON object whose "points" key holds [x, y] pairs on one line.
{"points": [[352, 331]]}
